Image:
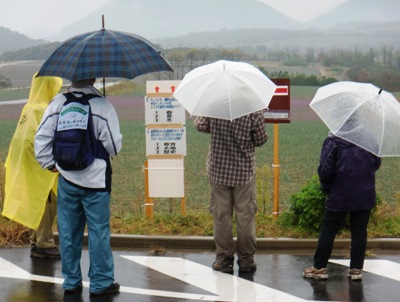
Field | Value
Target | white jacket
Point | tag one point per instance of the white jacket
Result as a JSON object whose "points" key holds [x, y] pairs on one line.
{"points": [[106, 128]]}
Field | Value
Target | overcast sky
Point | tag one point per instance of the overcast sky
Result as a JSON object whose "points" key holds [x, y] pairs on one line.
{"points": [[32, 17]]}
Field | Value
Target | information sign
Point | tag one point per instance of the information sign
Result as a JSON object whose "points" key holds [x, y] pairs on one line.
{"points": [[164, 110], [279, 107], [165, 141]]}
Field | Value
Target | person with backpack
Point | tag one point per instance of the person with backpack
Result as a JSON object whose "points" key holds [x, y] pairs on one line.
{"points": [[83, 189], [347, 176]]}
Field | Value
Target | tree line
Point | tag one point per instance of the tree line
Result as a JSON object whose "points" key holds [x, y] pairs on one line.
{"points": [[378, 66]]}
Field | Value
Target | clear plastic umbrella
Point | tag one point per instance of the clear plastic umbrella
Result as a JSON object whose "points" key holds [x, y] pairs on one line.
{"points": [[225, 90], [361, 113]]}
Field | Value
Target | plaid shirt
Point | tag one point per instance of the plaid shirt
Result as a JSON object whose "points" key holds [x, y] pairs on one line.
{"points": [[231, 156]]}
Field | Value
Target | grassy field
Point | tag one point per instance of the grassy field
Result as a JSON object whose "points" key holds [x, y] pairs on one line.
{"points": [[299, 149], [13, 94]]}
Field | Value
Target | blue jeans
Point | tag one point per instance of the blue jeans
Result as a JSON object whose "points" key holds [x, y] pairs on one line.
{"points": [[76, 208], [330, 226]]}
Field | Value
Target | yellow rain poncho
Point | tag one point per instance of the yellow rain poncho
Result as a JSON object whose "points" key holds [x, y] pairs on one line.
{"points": [[27, 185]]}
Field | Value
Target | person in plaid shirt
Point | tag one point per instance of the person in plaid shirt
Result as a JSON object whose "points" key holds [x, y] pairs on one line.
{"points": [[231, 172]]}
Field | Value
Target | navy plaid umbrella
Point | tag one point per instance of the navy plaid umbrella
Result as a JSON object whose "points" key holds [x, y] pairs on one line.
{"points": [[104, 53]]}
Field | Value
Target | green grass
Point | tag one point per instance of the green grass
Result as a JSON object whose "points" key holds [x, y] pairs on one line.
{"points": [[7, 128], [13, 94], [299, 149], [298, 163], [303, 92]]}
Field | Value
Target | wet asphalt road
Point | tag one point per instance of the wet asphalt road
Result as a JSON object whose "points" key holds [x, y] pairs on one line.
{"points": [[187, 276]]}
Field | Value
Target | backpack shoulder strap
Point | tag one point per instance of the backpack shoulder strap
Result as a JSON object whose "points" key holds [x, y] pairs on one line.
{"points": [[83, 98]]}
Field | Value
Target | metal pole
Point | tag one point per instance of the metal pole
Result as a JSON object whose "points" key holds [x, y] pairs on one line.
{"points": [[276, 171]]}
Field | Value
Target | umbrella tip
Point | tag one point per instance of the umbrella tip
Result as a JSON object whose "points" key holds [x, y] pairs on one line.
{"points": [[102, 21], [380, 91]]}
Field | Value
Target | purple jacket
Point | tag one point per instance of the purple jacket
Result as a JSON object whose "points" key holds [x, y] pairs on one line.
{"points": [[347, 175]]}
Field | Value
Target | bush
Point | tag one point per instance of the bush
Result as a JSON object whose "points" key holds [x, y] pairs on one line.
{"points": [[307, 206], [299, 79], [5, 82]]}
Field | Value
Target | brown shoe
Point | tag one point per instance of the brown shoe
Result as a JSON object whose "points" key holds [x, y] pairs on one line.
{"points": [[113, 288], [224, 265], [33, 249], [247, 266], [49, 253], [74, 290]]}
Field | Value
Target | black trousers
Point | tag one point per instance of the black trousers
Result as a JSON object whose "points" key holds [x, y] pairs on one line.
{"points": [[330, 226]]}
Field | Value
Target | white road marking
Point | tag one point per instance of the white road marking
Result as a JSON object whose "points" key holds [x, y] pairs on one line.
{"points": [[221, 287], [226, 287], [10, 270], [15, 102], [385, 268]]}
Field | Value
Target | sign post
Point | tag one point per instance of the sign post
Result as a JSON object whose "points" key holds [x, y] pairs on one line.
{"points": [[278, 112], [276, 168], [165, 144]]}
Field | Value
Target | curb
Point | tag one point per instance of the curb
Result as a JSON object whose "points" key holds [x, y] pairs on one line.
{"points": [[263, 244]]}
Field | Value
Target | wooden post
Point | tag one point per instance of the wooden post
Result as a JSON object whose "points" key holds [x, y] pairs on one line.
{"points": [[276, 171], [148, 201], [183, 206]]}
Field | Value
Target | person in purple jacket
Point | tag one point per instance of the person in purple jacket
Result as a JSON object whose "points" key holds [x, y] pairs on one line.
{"points": [[347, 175]]}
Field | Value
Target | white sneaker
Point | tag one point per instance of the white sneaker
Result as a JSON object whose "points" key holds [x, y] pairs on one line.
{"points": [[354, 274], [315, 273]]}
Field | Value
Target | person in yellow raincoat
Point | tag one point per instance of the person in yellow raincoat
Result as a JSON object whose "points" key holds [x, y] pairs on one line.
{"points": [[30, 191]]}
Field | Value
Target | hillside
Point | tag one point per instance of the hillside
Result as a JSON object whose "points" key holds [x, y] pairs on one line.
{"points": [[356, 35], [157, 19], [160, 18], [12, 40], [354, 24], [353, 11]]}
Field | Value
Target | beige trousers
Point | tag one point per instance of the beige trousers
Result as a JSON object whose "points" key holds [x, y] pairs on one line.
{"points": [[225, 201], [43, 236]]}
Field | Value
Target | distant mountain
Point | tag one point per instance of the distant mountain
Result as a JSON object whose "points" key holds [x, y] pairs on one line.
{"points": [[160, 18], [12, 40], [354, 11], [348, 36], [235, 23]]}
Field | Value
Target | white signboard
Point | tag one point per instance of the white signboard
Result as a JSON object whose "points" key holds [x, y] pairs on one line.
{"points": [[166, 178], [164, 110], [165, 141], [165, 135]]}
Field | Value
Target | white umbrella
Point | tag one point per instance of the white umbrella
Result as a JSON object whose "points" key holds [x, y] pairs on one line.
{"points": [[225, 90], [361, 113]]}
